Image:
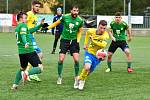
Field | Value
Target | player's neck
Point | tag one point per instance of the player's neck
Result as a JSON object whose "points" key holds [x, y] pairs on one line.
{"points": [[98, 32], [20, 22], [33, 11]]}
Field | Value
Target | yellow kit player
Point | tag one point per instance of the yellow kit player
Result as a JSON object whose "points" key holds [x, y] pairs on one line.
{"points": [[98, 40], [31, 23]]}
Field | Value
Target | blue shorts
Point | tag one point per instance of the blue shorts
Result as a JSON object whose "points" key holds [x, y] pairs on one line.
{"points": [[91, 59], [36, 48]]}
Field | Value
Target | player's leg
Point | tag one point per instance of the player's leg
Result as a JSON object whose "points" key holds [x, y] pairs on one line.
{"points": [[112, 48], [90, 64], [23, 64], [40, 55], [34, 60], [76, 68], [74, 51], [36, 63], [63, 49], [57, 36], [126, 50], [88, 67]]}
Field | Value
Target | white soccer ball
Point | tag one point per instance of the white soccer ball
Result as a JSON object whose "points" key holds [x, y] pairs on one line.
{"points": [[101, 54]]}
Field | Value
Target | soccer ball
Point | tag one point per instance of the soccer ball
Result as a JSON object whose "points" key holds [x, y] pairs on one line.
{"points": [[101, 54]]}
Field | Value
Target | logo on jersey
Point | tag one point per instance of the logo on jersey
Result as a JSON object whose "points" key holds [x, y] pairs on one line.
{"points": [[71, 25], [77, 23], [24, 29]]}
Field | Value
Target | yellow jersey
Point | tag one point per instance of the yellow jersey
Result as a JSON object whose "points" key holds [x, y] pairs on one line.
{"points": [[97, 41], [31, 19]]}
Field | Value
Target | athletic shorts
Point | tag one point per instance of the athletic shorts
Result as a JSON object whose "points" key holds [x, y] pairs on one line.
{"points": [[69, 45], [91, 59], [114, 45], [36, 48], [31, 58]]}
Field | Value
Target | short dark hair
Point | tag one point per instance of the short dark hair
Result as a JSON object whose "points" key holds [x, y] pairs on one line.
{"points": [[19, 15], [118, 14], [103, 22], [35, 2], [74, 6]]}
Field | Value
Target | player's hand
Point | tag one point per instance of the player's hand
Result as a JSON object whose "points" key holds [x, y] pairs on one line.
{"points": [[85, 47], [42, 21], [129, 39], [26, 45]]}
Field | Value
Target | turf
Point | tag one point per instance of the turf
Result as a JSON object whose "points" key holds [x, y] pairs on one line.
{"points": [[116, 85]]}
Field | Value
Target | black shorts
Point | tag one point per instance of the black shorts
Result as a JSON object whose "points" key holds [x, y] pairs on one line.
{"points": [[31, 58], [70, 45], [114, 45]]}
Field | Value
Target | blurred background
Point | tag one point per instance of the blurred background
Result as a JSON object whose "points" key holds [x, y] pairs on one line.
{"points": [[135, 13]]}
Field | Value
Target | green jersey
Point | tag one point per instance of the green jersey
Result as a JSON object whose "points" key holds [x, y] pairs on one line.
{"points": [[119, 30], [70, 26], [23, 37]]}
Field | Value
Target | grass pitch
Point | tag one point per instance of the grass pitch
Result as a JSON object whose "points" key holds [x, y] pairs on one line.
{"points": [[116, 85]]}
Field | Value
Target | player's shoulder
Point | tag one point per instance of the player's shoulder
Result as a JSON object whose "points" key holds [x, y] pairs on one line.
{"points": [[80, 18], [29, 13], [124, 23], [113, 22], [22, 25], [91, 30], [106, 33], [67, 15]]}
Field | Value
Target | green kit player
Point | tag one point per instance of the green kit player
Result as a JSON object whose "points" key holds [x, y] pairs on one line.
{"points": [[26, 51], [118, 35], [70, 37]]}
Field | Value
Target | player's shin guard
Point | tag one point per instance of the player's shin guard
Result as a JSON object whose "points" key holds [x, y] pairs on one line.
{"points": [[18, 77], [60, 67], [76, 68], [34, 70], [83, 74]]}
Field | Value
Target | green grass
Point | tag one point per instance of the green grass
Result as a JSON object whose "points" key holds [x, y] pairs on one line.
{"points": [[117, 85]]}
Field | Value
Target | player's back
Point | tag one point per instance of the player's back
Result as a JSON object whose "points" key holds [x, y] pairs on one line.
{"points": [[20, 30]]}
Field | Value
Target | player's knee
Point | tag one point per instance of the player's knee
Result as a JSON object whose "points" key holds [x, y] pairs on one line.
{"points": [[41, 67], [110, 55], [87, 68], [61, 59]]}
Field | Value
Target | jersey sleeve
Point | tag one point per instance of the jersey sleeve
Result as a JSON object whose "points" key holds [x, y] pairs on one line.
{"points": [[32, 30], [126, 25], [23, 29], [23, 32], [54, 20], [81, 25]]}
